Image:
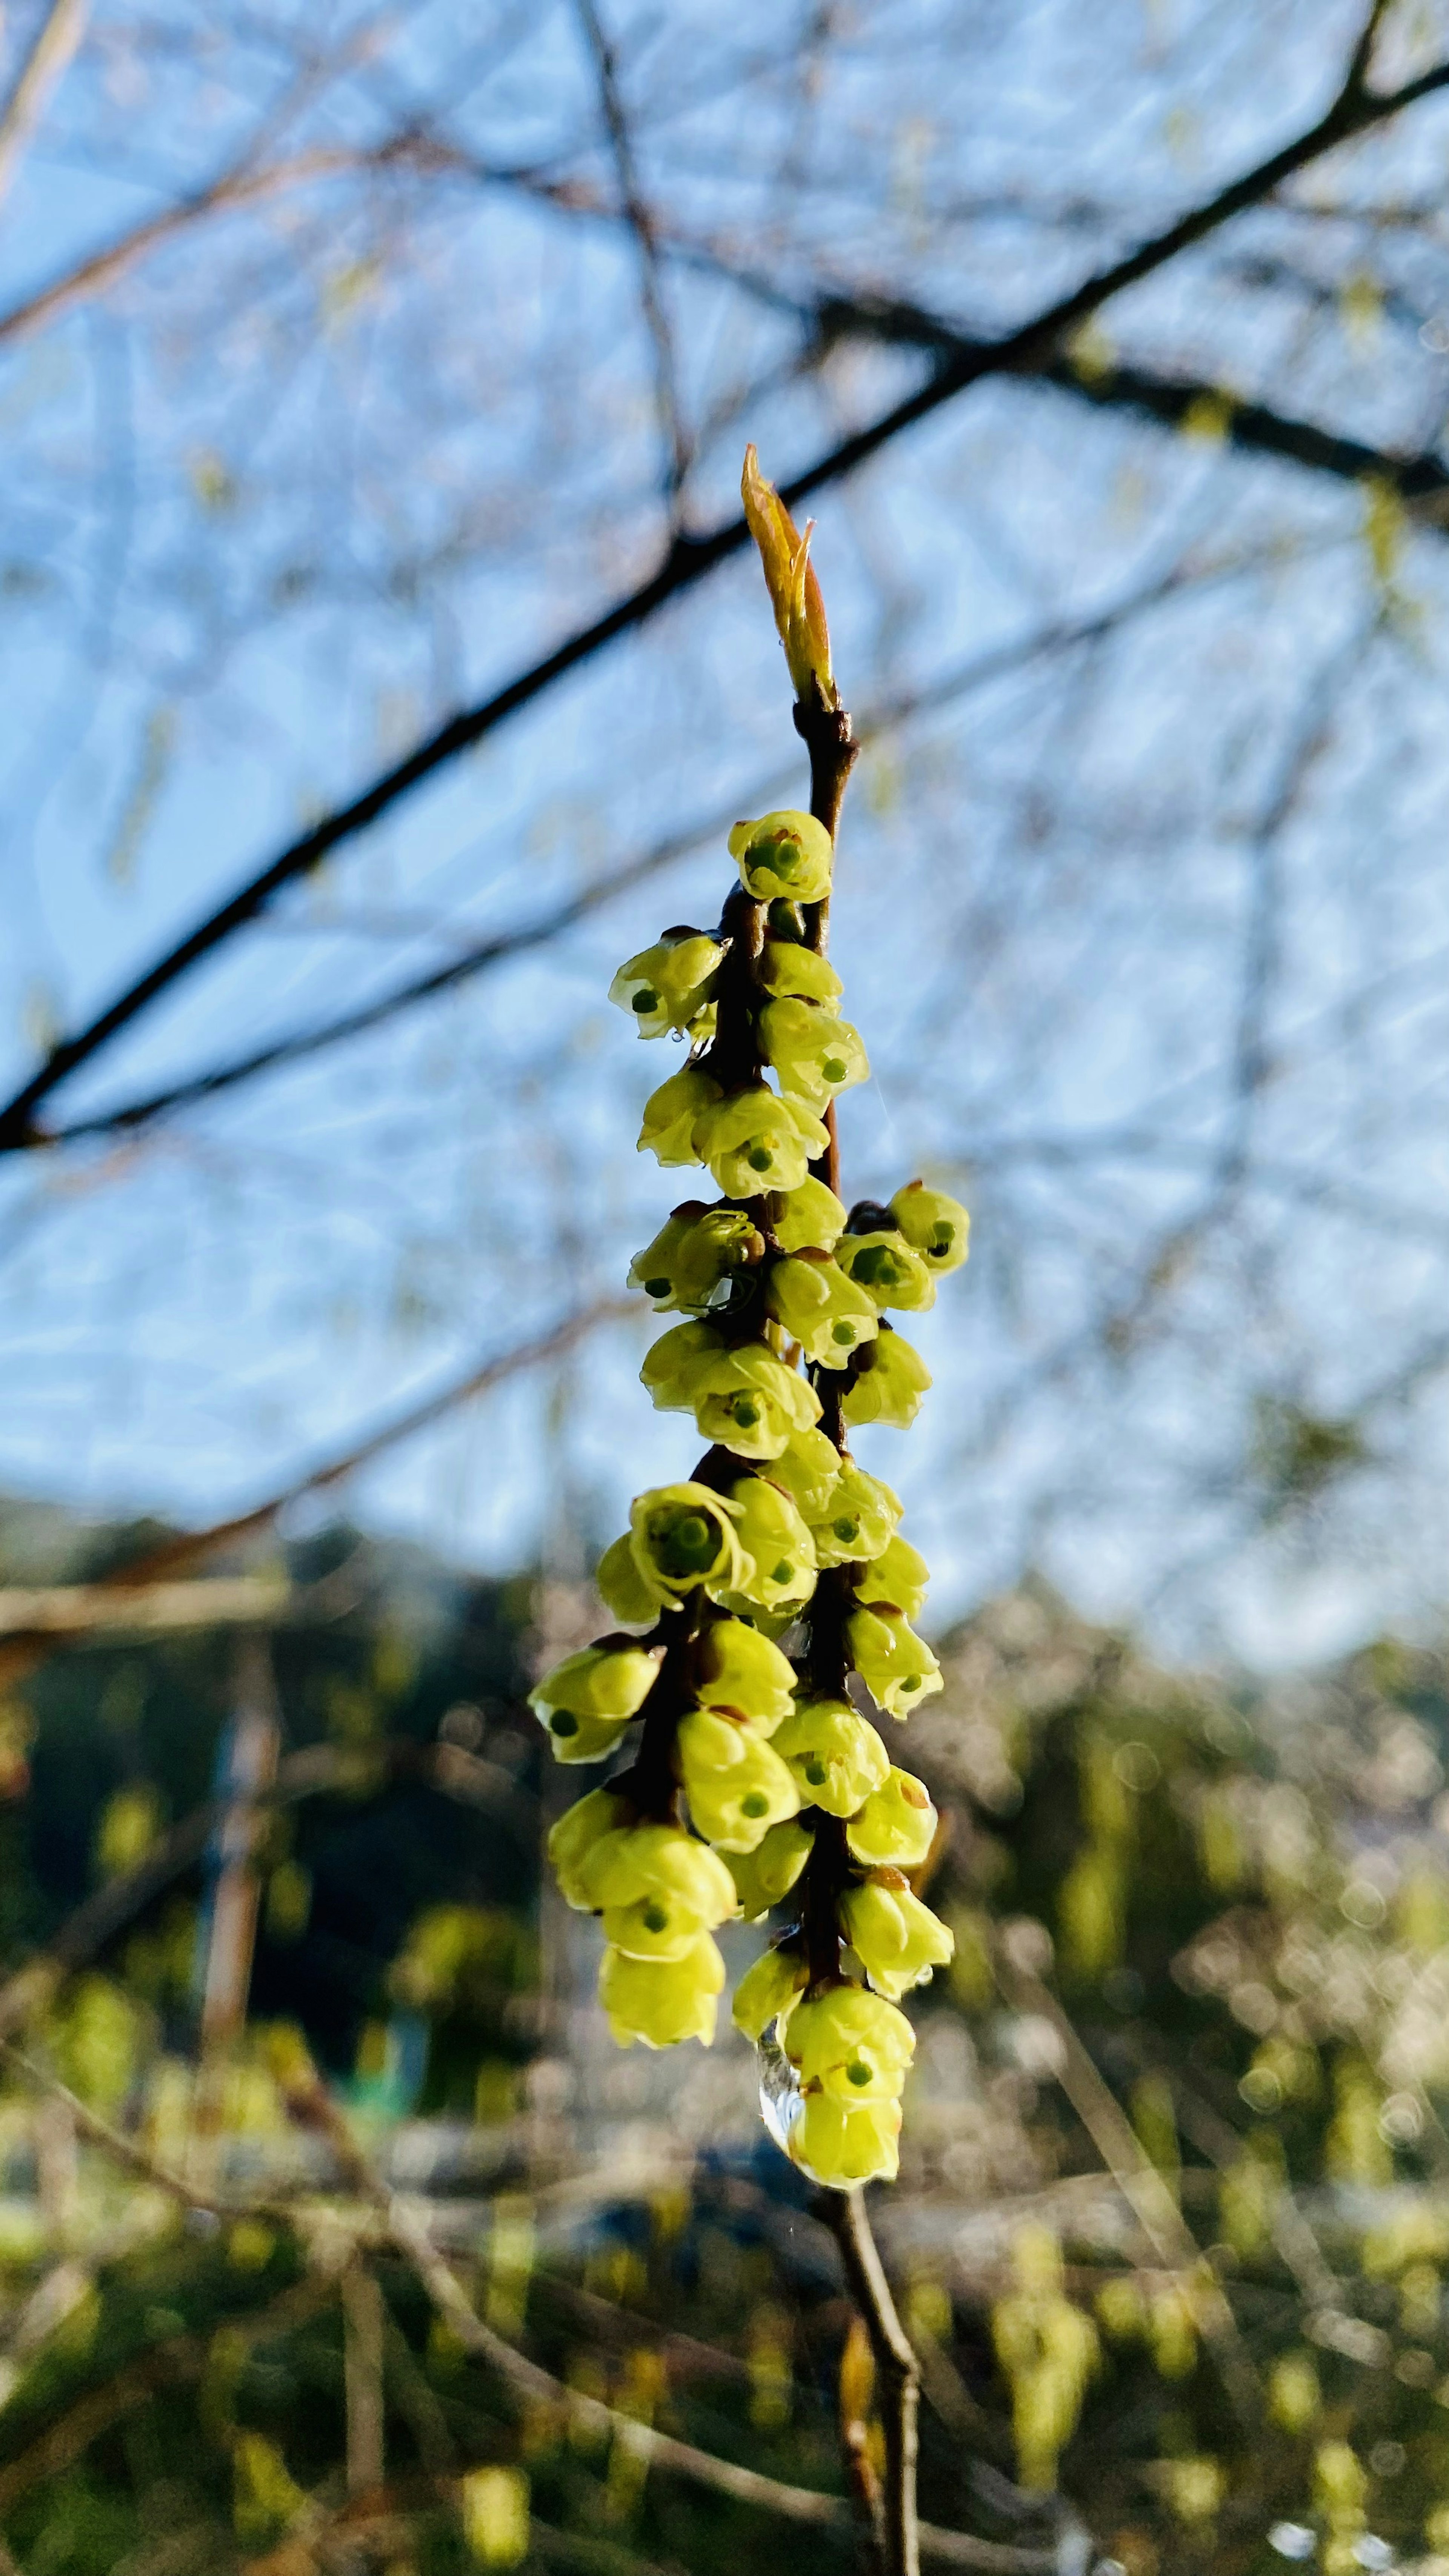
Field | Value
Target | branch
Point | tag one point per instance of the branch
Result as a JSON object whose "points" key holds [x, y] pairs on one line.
{"points": [[844, 2212], [1353, 111], [50, 55], [146, 1609], [640, 220]]}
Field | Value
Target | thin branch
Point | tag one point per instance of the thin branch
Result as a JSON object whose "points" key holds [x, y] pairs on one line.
{"points": [[148, 1609], [640, 219], [1355, 110], [50, 55], [845, 2214]]}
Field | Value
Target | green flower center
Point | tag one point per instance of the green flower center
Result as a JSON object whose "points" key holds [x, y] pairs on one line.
{"points": [[878, 1267], [833, 1068], [684, 1543], [783, 1571], [848, 1531], [756, 1804], [857, 2072], [561, 1723], [644, 1000], [911, 1683], [745, 1412], [816, 1771], [942, 1238], [759, 1158], [657, 1287], [842, 1333], [654, 1917]]}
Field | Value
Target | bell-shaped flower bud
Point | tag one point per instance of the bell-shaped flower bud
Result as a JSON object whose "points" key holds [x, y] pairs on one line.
{"points": [[768, 1989], [757, 1140], [668, 986], [855, 1518], [660, 2002], [811, 1218], [837, 1758], [681, 1535], [675, 1365], [891, 1378], [588, 1699], [786, 854], [780, 1561], [935, 1225], [819, 1307], [695, 1256], [767, 1874], [669, 1884], [808, 1468], [653, 1269], [671, 1114], [573, 1838], [628, 1595], [741, 1672], [889, 1270], [793, 588], [749, 1402], [814, 1054], [851, 2044], [896, 1827], [788, 966], [896, 1938], [898, 1670], [899, 1576], [737, 1786], [841, 2144]]}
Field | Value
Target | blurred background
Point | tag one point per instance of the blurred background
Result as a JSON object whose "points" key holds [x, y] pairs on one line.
{"points": [[359, 368]]}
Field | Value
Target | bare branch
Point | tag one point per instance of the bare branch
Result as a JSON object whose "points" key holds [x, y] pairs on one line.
{"points": [[50, 55], [639, 217], [148, 1609]]}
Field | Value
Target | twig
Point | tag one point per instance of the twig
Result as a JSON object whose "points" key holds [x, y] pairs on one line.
{"points": [[143, 1609], [845, 2214], [1353, 111], [640, 219], [50, 54]]}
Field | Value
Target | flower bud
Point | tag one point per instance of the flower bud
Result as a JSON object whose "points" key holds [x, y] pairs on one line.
{"points": [[737, 1786], [757, 1140], [738, 1670], [788, 966], [896, 1827], [681, 1535], [896, 1938], [811, 1219], [898, 1670], [586, 1701], [854, 1519], [786, 854], [656, 1887], [573, 1838], [899, 1576], [780, 1567], [890, 1380], [668, 986], [814, 1054], [819, 1307], [749, 1402], [936, 1226], [889, 1270], [670, 1114], [793, 588], [840, 2144], [836, 1758], [767, 1990], [661, 2002], [762, 1877], [854, 2045], [674, 1365], [808, 1467], [626, 1593]]}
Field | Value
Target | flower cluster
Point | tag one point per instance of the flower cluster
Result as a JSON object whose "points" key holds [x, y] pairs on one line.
{"points": [[773, 1589]]}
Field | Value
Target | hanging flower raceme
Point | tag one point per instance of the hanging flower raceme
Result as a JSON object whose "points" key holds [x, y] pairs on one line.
{"points": [[773, 1586]]}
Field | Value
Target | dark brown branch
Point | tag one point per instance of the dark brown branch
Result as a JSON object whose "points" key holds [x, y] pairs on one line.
{"points": [[640, 220], [1353, 111], [844, 2212]]}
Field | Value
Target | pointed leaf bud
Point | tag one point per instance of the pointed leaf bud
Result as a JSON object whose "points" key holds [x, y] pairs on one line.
{"points": [[793, 588]]}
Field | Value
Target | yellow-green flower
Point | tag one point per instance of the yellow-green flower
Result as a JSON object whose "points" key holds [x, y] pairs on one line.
{"points": [[694, 1257], [675, 1364], [749, 1402], [896, 1667], [586, 1701], [896, 1827], [819, 1307], [681, 1535], [814, 1054], [785, 854], [787, 966], [896, 1938], [737, 1785], [889, 1269], [757, 1140], [852, 2044], [768, 1989], [836, 1757], [738, 1670], [841, 2144], [667, 986], [811, 1219], [854, 1518], [808, 1467], [671, 1114], [899, 1576], [780, 1568], [890, 1382], [936, 1226], [656, 1888], [764, 1876], [660, 2002], [573, 1838], [628, 1596]]}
